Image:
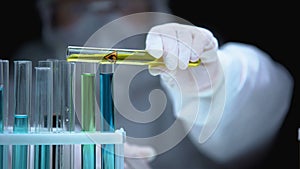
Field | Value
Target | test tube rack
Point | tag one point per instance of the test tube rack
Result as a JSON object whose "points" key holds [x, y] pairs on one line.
{"points": [[57, 137], [70, 138]]}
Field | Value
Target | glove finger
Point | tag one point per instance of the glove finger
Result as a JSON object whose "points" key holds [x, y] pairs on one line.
{"points": [[156, 70], [184, 48], [170, 45], [197, 45], [154, 45], [203, 41]]}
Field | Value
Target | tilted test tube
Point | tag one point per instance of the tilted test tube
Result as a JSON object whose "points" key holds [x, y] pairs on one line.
{"points": [[115, 56]]}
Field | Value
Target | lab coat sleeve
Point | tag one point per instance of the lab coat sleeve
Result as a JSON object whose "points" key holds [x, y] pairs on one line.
{"points": [[256, 97]]}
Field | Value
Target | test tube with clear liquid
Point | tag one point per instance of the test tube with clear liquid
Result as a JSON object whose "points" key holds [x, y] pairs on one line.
{"points": [[22, 109], [43, 114]]}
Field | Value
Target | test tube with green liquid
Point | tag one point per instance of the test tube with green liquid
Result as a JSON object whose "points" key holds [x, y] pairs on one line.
{"points": [[22, 108], [107, 120], [117, 56], [43, 114], [88, 118]]}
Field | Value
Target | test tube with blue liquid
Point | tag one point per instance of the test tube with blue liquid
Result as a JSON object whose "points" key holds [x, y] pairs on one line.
{"points": [[4, 92], [43, 114], [107, 114], [22, 108]]}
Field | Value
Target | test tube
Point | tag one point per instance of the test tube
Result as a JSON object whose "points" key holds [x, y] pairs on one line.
{"points": [[57, 114], [22, 108], [4, 93], [57, 99], [118, 56], [43, 114], [88, 118], [1, 111], [63, 109], [66, 86], [107, 114], [67, 110]]}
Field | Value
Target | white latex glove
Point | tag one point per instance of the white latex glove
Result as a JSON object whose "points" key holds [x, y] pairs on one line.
{"points": [[137, 157], [253, 103], [177, 45]]}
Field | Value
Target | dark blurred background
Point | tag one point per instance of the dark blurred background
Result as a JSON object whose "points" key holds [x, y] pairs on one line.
{"points": [[273, 27]]}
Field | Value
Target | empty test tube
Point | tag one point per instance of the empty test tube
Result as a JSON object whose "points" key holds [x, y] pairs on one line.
{"points": [[43, 114], [67, 110], [4, 92], [63, 109], [118, 56], [22, 109], [43, 99]]}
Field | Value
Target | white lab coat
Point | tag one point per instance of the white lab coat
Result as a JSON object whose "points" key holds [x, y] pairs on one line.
{"points": [[257, 94]]}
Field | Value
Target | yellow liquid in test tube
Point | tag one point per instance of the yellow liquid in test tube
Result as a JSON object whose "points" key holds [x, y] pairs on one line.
{"points": [[114, 56]]}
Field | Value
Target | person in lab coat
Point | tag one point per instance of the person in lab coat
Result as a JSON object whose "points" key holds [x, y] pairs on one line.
{"points": [[219, 108]]}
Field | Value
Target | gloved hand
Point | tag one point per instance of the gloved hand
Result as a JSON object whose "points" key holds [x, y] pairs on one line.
{"points": [[177, 45], [137, 157]]}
